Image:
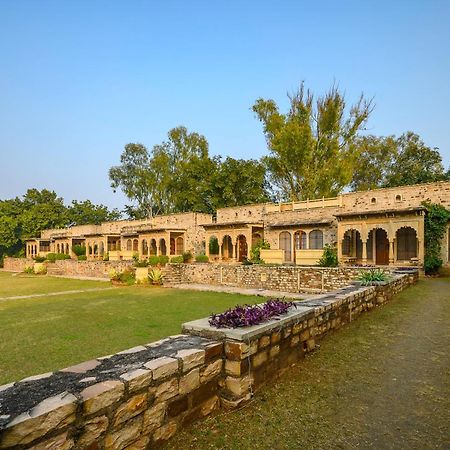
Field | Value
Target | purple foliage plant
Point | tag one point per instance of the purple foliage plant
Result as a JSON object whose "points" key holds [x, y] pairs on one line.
{"points": [[248, 315]]}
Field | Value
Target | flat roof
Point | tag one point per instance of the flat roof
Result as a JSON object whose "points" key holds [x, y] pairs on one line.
{"points": [[228, 224], [380, 211], [299, 223]]}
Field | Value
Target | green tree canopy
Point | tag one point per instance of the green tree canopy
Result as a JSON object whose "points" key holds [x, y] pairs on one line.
{"points": [[311, 146]]}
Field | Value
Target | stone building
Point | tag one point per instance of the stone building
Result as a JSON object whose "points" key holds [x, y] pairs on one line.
{"points": [[377, 227]]}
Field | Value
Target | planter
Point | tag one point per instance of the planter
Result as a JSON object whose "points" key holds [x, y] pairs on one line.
{"points": [[141, 275]]}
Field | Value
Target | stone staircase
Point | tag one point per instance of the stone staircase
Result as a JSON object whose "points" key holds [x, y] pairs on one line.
{"points": [[53, 269]]}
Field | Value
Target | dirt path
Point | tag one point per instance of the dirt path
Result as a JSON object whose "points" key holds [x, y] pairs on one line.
{"points": [[382, 382], [52, 294]]}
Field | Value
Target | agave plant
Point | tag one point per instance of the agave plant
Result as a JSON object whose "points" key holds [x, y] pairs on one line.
{"points": [[155, 276], [248, 315], [372, 276]]}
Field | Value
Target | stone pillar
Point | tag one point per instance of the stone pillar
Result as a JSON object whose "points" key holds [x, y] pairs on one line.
{"points": [[364, 252], [421, 253], [391, 252]]}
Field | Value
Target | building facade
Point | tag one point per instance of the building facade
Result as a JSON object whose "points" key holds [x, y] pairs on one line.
{"points": [[377, 227]]}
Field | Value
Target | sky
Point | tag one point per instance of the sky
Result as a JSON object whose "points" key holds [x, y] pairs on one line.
{"points": [[80, 79]]}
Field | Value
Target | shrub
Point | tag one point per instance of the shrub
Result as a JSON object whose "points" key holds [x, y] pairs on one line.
{"points": [[136, 257], [248, 315], [158, 260], [40, 269], [79, 250], [255, 252], [39, 259], [156, 277], [202, 258], [106, 257], [28, 270], [82, 258], [177, 259], [163, 260], [248, 262], [436, 220], [142, 263], [52, 257], [187, 257], [372, 276], [127, 276], [329, 256]]}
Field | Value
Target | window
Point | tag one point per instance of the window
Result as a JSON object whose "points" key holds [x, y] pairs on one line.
{"points": [[406, 244], [300, 239], [373, 200], [398, 198], [316, 239]]}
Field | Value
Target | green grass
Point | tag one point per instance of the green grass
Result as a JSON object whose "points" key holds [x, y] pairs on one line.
{"points": [[22, 284], [48, 333], [380, 382]]}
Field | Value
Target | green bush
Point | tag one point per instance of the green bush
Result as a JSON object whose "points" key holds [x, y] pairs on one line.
{"points": [[140, 263], [28, 270], [127, 276], [329, 257], [106, 257], [52, 257], [79, 250], [155, 276], [187, 257], [39, 259], [255, 251], [163, 260], [249, 262], [202, 258], [82, 258], [177, 259], [371, 276], [155, 260]]}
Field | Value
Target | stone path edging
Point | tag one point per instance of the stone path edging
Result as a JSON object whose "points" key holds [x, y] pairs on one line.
{"points": [[52, 294]]}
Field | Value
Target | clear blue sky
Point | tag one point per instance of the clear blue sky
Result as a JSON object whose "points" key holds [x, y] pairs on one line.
{"points": [[80, 79]]}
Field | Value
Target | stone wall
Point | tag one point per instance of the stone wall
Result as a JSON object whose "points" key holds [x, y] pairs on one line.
{"points": [[17, 264], [277, 278], [140, 397]]}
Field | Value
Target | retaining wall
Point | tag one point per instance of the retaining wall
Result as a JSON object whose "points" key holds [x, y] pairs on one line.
{"points": [[140, 397]]}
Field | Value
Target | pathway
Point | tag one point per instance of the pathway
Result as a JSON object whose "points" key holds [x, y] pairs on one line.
{"points": [[50, 294]]}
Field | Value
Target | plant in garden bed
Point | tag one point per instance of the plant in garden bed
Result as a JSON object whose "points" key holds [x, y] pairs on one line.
{"points": [[255, 252], [39, 259], [155, 277], [28, 270], [79, 250], [329, 256], [201, 259], [52, 257], [373, 276], [126, 277], [140, 263], [158, 260], [187, 257], [177, 260], [82, 258], [248, 315]]}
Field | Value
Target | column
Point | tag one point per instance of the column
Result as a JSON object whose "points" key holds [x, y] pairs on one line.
{"points": [[391, 252], [421, 252], [207, 240], [364, 252]]}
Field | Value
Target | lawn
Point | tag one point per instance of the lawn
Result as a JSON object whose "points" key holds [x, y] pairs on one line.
{"points": [[48, 333], [23, 284]]}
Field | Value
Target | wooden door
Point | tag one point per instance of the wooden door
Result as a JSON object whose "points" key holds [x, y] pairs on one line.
{"points": [[242, 248], [382, 248]]}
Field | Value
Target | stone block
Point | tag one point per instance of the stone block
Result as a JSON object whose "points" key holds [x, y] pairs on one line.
{"points": [[92, 430], [287, 332], [165, 390], [259, 359], [304, 335], [165, 432], [240, 350], [59, 442], [239, 386], [211, 371], [137, 379], [190, 381], [101, 395], [132, 407], [162, 367], [154, 417], [296, 328], [125, 435], [264, 341], [210, 405], [275, 337], [310, 344], [295, 340], [177, 406], [213, 351], [50, 414], [274, 351], [140, 444], [236, 368], [82, 367], [203, 393], [191, 358]]}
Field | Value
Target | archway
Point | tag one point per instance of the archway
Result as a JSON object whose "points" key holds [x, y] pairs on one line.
{"points": [[227, 247], [162, 247], [406, 239], [380, 246], [153, 250], [67, 249], [242, 248], [213, 246], [144, 247], [315, 239], [285, 244], [352, 244], [135, 245], [129, 245], [179, 245]]}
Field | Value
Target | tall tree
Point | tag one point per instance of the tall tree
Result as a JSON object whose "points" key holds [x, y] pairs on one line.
{"points": [[85, 212], [375, 157], [414, 163], [311, 151]]}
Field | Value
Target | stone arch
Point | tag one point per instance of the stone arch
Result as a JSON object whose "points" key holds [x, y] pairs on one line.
{"points": [[352, 245], [153, 248], [58, 248], [378, 240], [213, 245], [135, 245], [406, 243], [179, 245], [129, 245], [227, 247], [67, 249], [144, 246], [95, 249], [300, 240], [316, 239], [162, 247], [172, 246], [285, 243], [101, 248], [242, 248]]}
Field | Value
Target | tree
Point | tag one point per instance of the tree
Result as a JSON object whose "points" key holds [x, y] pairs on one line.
{"points": [[85, 212], [374, 158], [239, 181], [414, 163], [311, 151]]}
